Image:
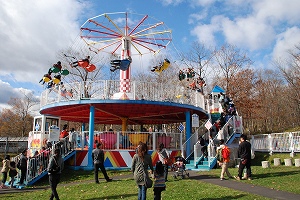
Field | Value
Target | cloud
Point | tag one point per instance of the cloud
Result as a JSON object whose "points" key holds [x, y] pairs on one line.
{"points": [[194, 17], [286, 41], [277, 11], [203, 3], [7, 91], [206, 32], [171, 2], [248, 32], [251, 25], [31, 34]]}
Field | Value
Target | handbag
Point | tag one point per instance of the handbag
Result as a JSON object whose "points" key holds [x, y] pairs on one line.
{"points": [[147, 179]]}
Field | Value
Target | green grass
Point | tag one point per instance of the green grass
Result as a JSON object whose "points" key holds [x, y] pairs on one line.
{"points": [[282, 177], [79, 176], [79, 184], [127, 189]]}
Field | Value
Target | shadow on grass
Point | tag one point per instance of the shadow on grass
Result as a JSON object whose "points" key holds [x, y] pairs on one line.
{"points": [[199, 177], [121, 196], [275, 174], [226, 197]]}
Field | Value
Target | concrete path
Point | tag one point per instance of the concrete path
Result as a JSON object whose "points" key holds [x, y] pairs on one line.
{"points": [[244, 186]]}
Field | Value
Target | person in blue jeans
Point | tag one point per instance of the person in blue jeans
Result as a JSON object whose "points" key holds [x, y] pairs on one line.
{"points": [[140, 163]]}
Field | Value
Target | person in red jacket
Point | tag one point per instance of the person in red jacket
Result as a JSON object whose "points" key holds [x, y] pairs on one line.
{"points": [[224, 159]]}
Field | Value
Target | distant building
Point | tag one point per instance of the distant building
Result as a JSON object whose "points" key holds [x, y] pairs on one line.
{"points": [[13, 144]]}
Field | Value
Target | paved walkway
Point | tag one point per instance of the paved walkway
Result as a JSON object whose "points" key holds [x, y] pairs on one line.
{"points": [[244, 186]]}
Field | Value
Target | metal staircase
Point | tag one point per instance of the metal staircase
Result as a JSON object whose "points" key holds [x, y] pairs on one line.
{"points": [[37, 166], [231, 130]]}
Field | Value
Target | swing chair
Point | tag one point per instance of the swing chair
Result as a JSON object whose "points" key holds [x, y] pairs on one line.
{"points": [[163, 66]]}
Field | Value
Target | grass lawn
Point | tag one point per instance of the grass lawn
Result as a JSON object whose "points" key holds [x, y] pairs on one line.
{"points": [[282, 177], [78, 185], [127, 189]]}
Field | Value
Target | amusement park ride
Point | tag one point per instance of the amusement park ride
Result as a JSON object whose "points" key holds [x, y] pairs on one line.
{"points": [[130, 103]]}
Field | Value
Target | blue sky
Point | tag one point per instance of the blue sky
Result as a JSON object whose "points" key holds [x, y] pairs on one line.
{"points": [[32, 31]]}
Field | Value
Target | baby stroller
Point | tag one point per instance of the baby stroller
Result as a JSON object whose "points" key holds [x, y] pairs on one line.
{"points": [[179, 168]]}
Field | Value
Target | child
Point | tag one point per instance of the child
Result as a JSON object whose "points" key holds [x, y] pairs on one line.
{"points": [[4, 170], [159, 180], [12, 173]]}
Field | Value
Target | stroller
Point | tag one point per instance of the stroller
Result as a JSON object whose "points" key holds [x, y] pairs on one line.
{"points": [[179, 168]]}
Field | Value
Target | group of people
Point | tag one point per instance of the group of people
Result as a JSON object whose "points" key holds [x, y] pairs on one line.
{"points": [[56, 79], [8, 168], [140, 164], [24, 164], [244, 153]]}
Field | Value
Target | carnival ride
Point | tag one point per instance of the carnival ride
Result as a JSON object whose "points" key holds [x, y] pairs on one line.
{"points": [[125, 102]]}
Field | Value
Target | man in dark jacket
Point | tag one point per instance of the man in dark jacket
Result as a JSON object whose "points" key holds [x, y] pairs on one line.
{"points": [[23, 166], [98, 159], [244, 152], [54, 168]]}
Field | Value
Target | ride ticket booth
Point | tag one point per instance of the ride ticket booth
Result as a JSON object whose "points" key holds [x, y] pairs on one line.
{"points": [[43, 127]]}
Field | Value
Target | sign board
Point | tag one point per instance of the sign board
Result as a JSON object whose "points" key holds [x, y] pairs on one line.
{"points": [[54, 133], [195, 120], [208, 124], [181, 127]]}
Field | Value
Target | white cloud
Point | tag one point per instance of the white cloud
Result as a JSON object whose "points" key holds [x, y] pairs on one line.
{"points": [[32, 32], [203, 3], [286, 41], [206, 32], [276, 11], [251, 25], [248, 32], [171, 2], [7, 91], [194, 17]]}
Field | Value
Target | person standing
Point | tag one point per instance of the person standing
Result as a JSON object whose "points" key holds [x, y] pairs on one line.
{"points": [[98, 159], [64, 139], [23, 166], [224, 159], [211, 147], [140, 163], [12, 173], [159, 180], [163, 156], [54, 168], [244, 152], [5, 167]]}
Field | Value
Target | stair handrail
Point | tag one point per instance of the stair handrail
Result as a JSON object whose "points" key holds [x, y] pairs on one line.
{"points": [[229, 136], [194, 138], [37, 165]]}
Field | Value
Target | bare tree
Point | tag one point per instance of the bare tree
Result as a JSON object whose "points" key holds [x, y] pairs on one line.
{"points": [[290, 70], [82, 75], [230, 60]]}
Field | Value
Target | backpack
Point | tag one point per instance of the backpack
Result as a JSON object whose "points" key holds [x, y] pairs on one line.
{"points": [[219, 155], [226, 153]]}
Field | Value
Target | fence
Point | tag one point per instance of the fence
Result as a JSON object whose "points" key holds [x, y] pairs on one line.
{"points": [[37, 164], [277, 142], [129, 140], [105, 89], [13, 144]]}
